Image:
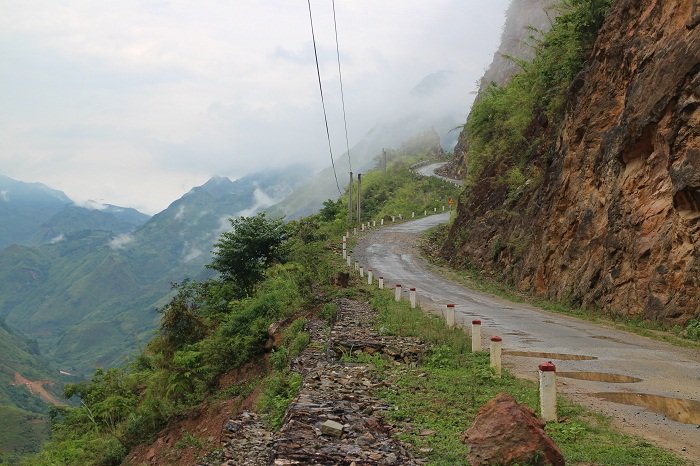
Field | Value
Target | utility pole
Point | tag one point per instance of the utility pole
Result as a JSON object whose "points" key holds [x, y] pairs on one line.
{"points": [[359, 203], [384, 152], [350, 202]]}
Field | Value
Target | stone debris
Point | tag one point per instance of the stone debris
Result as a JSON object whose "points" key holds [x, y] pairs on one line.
{"points": [[332, 428], [336, 419], [247, 441]]}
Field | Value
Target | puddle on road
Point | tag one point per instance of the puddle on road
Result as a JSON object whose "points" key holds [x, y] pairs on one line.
{"points": [[678, 409], [599, 377], [560, 356]]}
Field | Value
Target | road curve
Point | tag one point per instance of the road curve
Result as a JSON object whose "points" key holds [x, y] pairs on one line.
{"points": [[663, 369], [429, 170]]}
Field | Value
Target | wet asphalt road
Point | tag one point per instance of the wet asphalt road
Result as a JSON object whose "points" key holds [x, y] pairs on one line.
{"points": [[429, 170], [664, 369]]}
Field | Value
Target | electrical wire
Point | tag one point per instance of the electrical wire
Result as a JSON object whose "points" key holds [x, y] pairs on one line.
{"points": [[342, 94], [323, 102]]}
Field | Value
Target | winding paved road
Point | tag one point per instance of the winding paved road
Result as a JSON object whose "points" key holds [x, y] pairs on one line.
{"points": [[663, 370]]}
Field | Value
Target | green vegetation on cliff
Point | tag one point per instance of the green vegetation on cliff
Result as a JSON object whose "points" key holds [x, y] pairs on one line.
{"points": [[506, 125]]}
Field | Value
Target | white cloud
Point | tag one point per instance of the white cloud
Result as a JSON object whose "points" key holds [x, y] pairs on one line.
{"points": [[57, 239], [192, 254], [135, 102], [121, 241], [4, 196], [92, 205], [261, 201]]}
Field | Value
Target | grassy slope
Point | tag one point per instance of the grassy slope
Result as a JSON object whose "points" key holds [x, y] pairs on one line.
{"points": [[454, 383], [23, 423]]}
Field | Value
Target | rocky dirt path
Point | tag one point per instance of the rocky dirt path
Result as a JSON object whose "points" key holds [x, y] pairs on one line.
{"points": [[336, 419], [659, 397]]}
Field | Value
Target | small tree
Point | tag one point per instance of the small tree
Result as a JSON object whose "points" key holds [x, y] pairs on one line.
{"points": [[243, 254], [331, 209]]}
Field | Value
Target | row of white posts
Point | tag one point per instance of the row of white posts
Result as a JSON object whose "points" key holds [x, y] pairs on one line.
{"points": [[366, 226], [547, 370]]}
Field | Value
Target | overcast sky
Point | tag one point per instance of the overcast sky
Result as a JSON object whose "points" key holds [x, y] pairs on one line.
{"points": [[134, 102]]}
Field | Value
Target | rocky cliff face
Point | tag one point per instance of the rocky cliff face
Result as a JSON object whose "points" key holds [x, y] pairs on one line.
{"points": [[615, 223]]}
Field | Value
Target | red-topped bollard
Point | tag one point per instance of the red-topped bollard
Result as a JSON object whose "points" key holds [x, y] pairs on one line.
{"points": [[476, 336], [548, 391], [495, 354], [412, 297], [450, 316], [397, 293]]}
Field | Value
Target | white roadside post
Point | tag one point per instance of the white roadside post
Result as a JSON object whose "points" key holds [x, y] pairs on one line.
{"points": [[397, 293], [370, 277], [495, 354], [381, 222], [412, 298], [349, 260], [381, 283], [425, 212], [476, 336], [434, 209], [357, 266], [443, 208], [363, 227], [374, 223], [393, 219], [362, 272], [354, 231], [413, 215], [548, 391], [450, 316]]}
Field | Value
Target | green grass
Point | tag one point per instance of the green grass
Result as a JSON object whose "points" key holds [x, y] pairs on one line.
{"points": [[441, 397]]}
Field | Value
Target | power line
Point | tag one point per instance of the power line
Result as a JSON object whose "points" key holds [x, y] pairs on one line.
{"points": [[342, 94], [323, 102]]}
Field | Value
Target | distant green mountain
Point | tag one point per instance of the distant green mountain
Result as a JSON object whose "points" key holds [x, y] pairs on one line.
{"points": [[365, 155], [32, 213], [24, 207], [73, 218], [90, 298]]}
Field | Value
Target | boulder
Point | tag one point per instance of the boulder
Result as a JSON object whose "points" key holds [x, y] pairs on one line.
{"points": [[507, 433]]}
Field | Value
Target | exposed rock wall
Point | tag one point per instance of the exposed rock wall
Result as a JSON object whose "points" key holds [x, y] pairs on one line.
{"points": [[616, 222]]}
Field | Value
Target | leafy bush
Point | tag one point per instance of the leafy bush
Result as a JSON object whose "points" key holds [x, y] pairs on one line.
{"points": [[278, 391]]}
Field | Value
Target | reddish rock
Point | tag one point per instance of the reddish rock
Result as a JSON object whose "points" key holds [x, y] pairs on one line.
{"points": [[341, 279], [507, 433]]}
